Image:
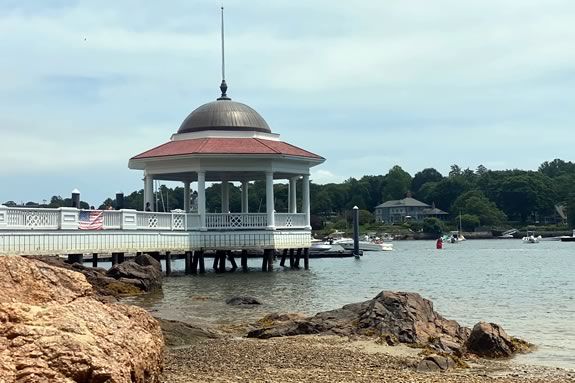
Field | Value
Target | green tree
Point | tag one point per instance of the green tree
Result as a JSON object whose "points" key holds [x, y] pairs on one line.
{"points": [[469, 222], [397, 184], [475, 203], [423, 177], [433, 226]]}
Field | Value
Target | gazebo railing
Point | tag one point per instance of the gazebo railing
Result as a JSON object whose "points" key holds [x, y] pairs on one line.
{"points": [[15, 218]]}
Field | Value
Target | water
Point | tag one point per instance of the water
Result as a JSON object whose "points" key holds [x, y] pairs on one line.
{"points": [[529, 289]]}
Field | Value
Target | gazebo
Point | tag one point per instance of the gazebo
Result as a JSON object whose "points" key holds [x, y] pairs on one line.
{"points": [[225, 141]]}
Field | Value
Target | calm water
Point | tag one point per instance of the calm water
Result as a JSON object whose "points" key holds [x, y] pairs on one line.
{"points": [[528, 289]]}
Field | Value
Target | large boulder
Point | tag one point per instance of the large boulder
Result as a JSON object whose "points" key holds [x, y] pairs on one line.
{"points": [[53, 330], [143, 272], [243, 301], [491, 341], [406, 317]]}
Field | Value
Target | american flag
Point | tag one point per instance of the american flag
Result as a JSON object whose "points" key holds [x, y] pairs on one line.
{"points": [[91, 220]]}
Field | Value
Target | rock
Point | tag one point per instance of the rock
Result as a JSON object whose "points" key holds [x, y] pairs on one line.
{"points": [[244, 300], [490, 340], [147, 260], [182, 334], [145, 277], [53, 330], [434, 363]]}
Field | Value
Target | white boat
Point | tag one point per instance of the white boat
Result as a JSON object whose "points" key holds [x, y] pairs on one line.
{"points": [[531, 238], [347, 243]]}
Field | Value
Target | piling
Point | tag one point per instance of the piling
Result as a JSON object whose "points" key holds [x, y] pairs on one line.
{"points": [[168, 263], [265, 260], [195, 259], [291, 258], [201, 261], [270, 259], [220, 264], [76, 258], [95, 260], [114, 259], [356, 232], [283, 260], [244, 260], [298, 257], [188, 267], [216, 261], [232, 260], [121, 257], [306, 258]]}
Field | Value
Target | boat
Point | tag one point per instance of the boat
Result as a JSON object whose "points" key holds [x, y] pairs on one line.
{"points": [[531, 238], [453, 237], [508, 234], [568, 239], [347, 244]]}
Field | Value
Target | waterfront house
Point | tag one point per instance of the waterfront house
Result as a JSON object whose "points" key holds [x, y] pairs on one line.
{"points": [[408, 208]]}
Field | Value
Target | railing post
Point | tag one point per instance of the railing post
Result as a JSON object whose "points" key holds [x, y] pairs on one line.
{"points": [[68, 218], [270, 210], [3, 217], [129, 219]]}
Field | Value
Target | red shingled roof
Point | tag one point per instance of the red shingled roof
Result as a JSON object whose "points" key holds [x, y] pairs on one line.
{"points": [[226, 146]]}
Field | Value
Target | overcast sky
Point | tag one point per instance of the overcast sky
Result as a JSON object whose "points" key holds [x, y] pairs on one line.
{"points": [[85, 85]]}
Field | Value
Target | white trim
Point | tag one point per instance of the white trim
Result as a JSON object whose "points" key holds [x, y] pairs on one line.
{"points": [[224, 134]]}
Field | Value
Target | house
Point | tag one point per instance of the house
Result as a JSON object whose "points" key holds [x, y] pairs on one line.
{"points": [[409, 208]]}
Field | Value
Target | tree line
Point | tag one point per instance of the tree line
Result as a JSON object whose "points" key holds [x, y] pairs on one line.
{"points": [[482, 196]]}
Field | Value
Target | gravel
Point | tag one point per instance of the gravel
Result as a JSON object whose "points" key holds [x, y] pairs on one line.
{"points": [[328, 359]]}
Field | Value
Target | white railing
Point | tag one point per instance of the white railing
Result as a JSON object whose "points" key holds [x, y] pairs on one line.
{"points": [[236, 221], [24, 218], [112, 219], [69, 219], [290, 220]]}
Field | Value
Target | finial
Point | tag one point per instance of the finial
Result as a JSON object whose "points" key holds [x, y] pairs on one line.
{"points": [[223, 85]]}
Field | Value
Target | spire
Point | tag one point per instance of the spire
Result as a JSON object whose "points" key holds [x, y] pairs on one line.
{"points": [[223, 85]]}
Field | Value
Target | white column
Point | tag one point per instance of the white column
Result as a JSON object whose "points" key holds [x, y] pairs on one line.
{"points": [[225, 197], [149, 191], [187, 196], [245, 203], [305, 204], [270, 200], [293, 195], [202, 199]]}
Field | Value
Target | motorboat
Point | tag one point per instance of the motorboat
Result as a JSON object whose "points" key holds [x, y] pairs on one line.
{"points": [[531, 238], [347, 244], [453, 237], [568, 239]]}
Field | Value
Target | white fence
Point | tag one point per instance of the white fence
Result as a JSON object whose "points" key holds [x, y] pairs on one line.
{"points": [[17, 219]]}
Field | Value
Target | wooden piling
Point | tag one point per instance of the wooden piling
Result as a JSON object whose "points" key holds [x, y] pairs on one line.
{"points": [[283, 260], [244, 260], [121, 257], [114, 259], [232, 260], [222, 266], [200, 255], [76, 258], [298, 257], [306, 258], [216, 261], [95, 260], [188, 267], [291, 258], [265, 261], [168, 258], [271, 259], [194, 263]]}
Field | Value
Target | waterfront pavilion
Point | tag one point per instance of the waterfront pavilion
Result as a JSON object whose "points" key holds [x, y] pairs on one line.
{"points": [[225, 141]]}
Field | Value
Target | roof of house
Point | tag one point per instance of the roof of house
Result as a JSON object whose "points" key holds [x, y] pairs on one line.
{"points": [[434, 211], [236, 146], [406, 202]]}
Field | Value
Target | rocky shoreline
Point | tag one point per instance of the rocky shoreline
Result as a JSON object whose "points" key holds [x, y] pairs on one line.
{"points": [[63, 323]]}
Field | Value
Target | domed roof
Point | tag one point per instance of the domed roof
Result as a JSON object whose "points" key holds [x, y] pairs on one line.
{"points": [[224, 114]]}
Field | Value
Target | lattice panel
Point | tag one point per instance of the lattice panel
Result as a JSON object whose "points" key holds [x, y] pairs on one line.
{"points": [[178, 221], [37, 220], [153, 221], [235, 221]]}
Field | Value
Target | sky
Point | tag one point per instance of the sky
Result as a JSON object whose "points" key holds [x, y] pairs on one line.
{"points": [[85, 85]]}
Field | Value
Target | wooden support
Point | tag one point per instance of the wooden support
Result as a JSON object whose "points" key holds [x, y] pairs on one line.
{"points": [[194, 264], [232, 260], [168, 263], [216, 261], [222, 266], [291, 258], [271, 257], [114, 259], [95, 260], [244, 260], [201, 261], [265, 261], [283, 260], [188, 261], [121, 257], [76, 258], [306, 258], [297, 257]]}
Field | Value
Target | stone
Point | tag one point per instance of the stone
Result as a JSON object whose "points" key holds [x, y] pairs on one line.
{"points": [[433, 363], [147, 260], [177, 334], [243, 300], [146, 277], [54, 330], [490, 340]]}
